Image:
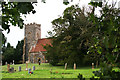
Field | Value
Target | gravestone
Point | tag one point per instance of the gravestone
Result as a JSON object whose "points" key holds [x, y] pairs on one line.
{"points": [[65, 65], [33, 68], [13, 62], [19, 68], [46, 61], [10, 63], [92, 65], [26, 66], [5, 63], [74, 66], [29, 70], [8, 67], [11, 70]]}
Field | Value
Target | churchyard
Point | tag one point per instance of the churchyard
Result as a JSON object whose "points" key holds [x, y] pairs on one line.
{"points": [[45, 70]]}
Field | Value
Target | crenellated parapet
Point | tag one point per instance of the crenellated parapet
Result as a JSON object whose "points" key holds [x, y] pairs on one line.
{"points": [[29, 24]]}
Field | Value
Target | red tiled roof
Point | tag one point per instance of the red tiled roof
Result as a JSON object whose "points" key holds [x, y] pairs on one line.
{"points": [[39, 46]]}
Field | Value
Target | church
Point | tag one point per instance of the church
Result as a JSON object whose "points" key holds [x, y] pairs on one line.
{"points": [[33, 48]]}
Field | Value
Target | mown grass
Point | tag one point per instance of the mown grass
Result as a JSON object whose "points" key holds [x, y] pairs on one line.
{"points": [[43, 71]]}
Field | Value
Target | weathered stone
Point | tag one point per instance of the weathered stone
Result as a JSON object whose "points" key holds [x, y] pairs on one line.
{"points": [[29, 70], [8, 67], [10, 63], [74, 66], [13, 62], [26, 66], [33, 68], [32, 34], [11, 70], [19, 68], [92, 65], [65, 65]]}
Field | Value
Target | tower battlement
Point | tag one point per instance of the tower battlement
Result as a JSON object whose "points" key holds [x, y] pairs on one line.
{"points": [[29, 24]]}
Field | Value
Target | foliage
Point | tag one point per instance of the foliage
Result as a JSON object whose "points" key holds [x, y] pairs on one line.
{"points": [[19, 51], [71, 35], [4, 40], [12, 12], [107, 41], [8, 53]]}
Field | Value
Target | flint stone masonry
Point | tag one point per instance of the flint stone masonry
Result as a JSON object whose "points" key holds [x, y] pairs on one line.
{"points": [[32, 34]]}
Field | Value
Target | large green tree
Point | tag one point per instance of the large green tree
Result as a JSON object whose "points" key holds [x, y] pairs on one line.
{"points": [[12, 12], [107, 41], [72, 33], [8, 53], [19, 52]]}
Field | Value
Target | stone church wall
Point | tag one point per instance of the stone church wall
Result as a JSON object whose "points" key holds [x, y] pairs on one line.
{"points": [[32, 34]]}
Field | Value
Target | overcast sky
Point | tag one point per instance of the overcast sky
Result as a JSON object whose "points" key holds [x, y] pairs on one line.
{"points": [[45, 13]]}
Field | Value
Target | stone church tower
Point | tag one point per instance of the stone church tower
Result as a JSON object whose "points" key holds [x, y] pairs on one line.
{"points": [[32, 34]]}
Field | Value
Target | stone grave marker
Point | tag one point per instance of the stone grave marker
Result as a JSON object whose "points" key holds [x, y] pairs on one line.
{"points": [[8, 67], [74, 66], [19, 68], [26, 66], [11, 70], [29, 70], [10, 63], [65, 65], [5, 63], [13, 62], [92, 65], [33, 68]]}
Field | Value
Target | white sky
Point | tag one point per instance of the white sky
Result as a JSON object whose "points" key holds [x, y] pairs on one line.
{"points": [[45, 13]]}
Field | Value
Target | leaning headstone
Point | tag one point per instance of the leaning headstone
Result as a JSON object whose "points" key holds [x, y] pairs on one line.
{"points": [[74, 66], [5, 63], [33, 68], [8, 67], [19, 68], [13, 62], [92, 65], [65, 65], [29, 70]]}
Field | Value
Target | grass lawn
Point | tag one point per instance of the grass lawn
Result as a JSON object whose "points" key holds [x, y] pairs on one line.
{"points": [[43, 71]]}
